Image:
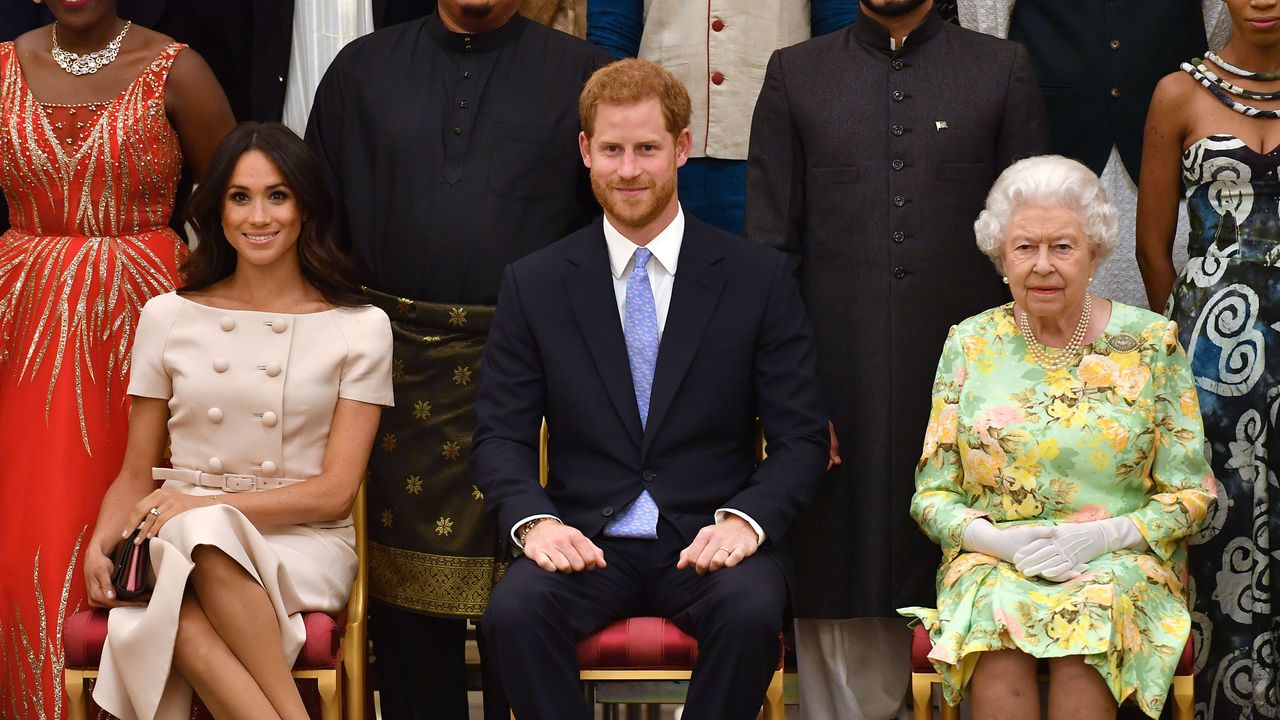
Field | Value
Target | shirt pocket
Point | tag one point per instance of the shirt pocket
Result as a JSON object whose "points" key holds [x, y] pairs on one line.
{"points": [[521, 161]]}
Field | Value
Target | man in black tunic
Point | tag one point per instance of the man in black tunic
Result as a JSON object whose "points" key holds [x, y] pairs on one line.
{"points": [[451, 145], [872, 151]]}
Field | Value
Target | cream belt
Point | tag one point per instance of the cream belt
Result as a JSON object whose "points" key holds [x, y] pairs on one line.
{"points": [[228, 482]]}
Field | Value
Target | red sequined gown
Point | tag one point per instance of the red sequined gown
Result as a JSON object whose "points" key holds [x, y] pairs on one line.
{"points": [[90, 189]]}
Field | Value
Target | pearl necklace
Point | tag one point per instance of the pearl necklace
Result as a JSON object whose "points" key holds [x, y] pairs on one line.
{"points": [[1056, 359], [89, 62]]}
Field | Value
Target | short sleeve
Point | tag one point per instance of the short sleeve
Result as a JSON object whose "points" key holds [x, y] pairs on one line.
{"points": [[366, 373], [147, 374]]}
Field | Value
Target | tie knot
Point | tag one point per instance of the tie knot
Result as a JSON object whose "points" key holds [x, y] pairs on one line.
{"points": [[642, 259]]}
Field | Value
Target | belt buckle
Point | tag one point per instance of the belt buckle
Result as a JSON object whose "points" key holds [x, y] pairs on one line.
{"points": [[239, 483]]}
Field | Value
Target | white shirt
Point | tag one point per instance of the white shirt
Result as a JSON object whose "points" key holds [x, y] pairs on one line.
{"points": [[665, 248]]}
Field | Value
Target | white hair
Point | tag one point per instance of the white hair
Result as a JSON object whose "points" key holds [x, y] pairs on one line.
{"points": [[1047, 180]]}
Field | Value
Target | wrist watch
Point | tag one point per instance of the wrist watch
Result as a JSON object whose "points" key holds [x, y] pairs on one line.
{"points": [[522, 532]]}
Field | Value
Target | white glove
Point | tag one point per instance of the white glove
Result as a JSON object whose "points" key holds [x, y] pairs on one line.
{"points": [[981, 536], [1065, 553]]}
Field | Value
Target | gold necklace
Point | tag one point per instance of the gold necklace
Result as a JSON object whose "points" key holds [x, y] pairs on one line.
{"points": [[88, 63], [1048, 358]]}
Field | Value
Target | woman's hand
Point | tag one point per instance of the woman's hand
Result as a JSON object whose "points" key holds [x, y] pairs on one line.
{"points": [[97, 579], [153, 511]]}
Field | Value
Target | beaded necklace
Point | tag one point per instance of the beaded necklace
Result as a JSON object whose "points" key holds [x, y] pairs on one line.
{"points": [[1048, 358]]}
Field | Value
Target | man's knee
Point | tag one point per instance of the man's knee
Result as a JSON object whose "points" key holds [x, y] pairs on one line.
{"points": [[525, 595], [751, 603]]}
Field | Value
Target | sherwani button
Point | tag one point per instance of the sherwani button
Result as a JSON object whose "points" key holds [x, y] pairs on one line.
{"points": [[220, 365], [272, 369], [268, 468], [215, 415], [215, 464], [269, 419], [227, 323], [279, 324], [607, 512]]}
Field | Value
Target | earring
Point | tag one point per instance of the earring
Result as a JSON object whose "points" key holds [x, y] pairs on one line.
{"points": [[1005, 280], [1090, 278]]}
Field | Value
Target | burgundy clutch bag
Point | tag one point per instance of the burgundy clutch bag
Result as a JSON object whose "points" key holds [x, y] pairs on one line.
{"points": [[132, 568]]}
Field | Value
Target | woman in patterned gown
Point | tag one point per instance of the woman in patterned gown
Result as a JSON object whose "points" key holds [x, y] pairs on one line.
{"points": [[1062, 467], [88, 164], [1213, 126]]}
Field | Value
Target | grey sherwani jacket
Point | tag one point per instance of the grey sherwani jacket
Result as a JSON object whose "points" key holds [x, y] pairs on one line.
{"points": [[870, 165]]}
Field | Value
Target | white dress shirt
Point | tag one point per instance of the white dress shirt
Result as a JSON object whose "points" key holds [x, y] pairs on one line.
{"points": [[665, 248]]}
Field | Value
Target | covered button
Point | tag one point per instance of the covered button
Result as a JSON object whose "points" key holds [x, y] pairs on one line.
{"points": [[272, 369], [268, 468], [215, 415], [269, 419], [220, 365], [215, 464], [227, 323], [279, 324]]}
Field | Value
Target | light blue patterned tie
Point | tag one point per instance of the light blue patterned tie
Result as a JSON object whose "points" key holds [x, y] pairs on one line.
{"points": [[640, 326]]}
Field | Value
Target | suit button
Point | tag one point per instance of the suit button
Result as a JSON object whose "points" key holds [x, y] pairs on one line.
{"points": [[607, 512], [899, 201], [899, 273], [898, 164], [648, 475], [215, 415], [897, 130], [1115, 92], [717, 25], [1114, 44], [227, 323], [466, 75], [899, 236], [220, 365], [896, 64], [457, 131], [717, 78], [898, 95]]}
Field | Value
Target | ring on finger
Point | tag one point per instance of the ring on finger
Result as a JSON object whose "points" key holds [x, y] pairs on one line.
{"points": [[725, 549], [155, 511]]}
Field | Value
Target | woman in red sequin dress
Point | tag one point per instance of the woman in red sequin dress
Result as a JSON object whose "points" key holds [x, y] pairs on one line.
{"points": [[89, 161]]}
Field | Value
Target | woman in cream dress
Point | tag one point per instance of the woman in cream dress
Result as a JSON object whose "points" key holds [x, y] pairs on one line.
{"points": [[266, 372]]}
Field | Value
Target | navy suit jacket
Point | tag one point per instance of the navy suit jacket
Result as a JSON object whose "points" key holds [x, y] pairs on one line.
{"points": [[736, 346]]}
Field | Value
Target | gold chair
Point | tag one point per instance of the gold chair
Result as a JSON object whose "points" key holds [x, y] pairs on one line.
{"points": [[339, 676]]}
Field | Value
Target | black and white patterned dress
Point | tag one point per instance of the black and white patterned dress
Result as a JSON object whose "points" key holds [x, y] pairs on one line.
{"points": [[1227, 305]]}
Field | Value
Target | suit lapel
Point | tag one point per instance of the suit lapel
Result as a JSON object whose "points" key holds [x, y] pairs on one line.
{"points": [[595, 307], [699, 280]]}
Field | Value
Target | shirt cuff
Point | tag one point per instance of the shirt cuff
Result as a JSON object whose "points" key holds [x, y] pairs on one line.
{"points": [[754, 525], [516, 527]]}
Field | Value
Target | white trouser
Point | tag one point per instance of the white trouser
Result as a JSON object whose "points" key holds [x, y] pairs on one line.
{"points": [[855, 669]]}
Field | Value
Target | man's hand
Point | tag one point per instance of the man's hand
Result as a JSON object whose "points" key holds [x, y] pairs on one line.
{"points": [[833, 455], [560, 548], [722, 545]]}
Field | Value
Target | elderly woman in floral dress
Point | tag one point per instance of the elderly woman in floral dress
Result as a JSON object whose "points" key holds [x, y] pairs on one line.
{"points": [[1062, 467]]}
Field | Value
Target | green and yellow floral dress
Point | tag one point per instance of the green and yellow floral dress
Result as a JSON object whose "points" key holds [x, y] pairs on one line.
{"points": [[1118, 434]]}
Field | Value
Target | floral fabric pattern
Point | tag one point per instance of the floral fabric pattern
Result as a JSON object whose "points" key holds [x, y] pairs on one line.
{"points": [[1116, 435]]}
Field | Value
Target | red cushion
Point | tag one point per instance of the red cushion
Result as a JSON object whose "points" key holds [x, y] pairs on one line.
{"points": [[642, 643], [921, 645], [86, 632]]}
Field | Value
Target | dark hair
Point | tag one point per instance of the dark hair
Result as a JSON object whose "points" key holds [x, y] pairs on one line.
{"points": [[323, 265]]}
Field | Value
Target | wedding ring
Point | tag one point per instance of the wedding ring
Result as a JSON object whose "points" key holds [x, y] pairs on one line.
{"points": [[726, 549], [156, 511]]}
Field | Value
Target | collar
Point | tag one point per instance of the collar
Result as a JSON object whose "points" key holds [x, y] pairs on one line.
{"points": [[495, 39], [874, 35], [665, 247]]}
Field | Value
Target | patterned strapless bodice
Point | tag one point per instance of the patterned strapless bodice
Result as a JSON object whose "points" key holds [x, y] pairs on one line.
{"points": [[104, 169], [1232, 194]]}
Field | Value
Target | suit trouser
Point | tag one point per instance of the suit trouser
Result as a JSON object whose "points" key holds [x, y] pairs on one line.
{"points": [[853, 669], [535, 619]]}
